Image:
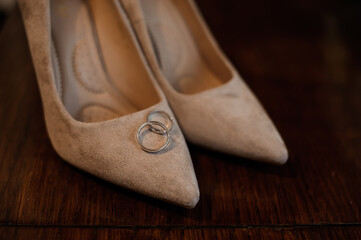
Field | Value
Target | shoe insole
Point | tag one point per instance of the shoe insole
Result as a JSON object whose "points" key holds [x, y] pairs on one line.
{"points": [[98, 70], [176, 48]]}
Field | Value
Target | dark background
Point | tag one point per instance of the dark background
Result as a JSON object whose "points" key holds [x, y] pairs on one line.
{"points": [[302, 58]]}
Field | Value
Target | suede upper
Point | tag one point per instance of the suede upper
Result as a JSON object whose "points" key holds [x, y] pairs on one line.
{"points": [[108, 149], [227, 118]]}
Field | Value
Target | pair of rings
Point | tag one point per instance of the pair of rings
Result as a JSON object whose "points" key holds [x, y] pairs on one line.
{"points": [[157, 128]]}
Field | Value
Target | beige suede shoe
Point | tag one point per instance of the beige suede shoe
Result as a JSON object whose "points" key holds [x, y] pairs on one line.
{"points": [[97, 91], [214, 106]]}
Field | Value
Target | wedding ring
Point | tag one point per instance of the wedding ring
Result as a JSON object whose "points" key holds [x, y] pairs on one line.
{"points": [[168, 126], [162, 132]]}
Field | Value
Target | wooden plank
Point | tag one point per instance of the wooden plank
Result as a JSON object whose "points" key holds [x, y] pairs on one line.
{"points": [[296, 74], [166, 233]]}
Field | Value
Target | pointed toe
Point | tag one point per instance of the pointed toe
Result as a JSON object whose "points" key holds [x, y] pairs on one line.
{"points": [[189, 195], [268, 148], [167, 175], [279, 155], [230, 119]]}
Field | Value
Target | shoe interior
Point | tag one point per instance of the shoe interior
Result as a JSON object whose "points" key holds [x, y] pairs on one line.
{"points": [[98, 69], [188, 60]]}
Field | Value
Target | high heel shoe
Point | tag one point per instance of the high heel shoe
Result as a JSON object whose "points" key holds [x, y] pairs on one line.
{"points": [[97, 91], [214, 106]]}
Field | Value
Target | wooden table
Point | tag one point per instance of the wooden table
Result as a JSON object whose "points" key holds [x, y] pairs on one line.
{"points": [[301, 58]]}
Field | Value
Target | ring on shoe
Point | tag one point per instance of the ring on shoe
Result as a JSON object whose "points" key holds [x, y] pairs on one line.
{"points": [[157, 130], [150, 125]]}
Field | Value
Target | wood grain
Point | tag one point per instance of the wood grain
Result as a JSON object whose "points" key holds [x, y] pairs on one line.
{"points": [[301, 59], [160, 233]]}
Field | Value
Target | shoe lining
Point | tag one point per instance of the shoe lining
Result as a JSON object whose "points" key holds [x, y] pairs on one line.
{"points": [[178, 53], [98, 71]]}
